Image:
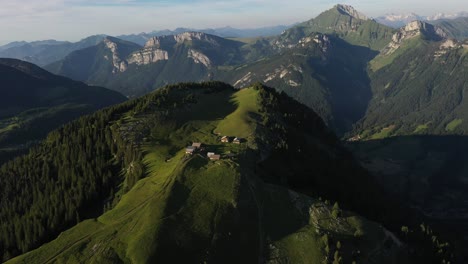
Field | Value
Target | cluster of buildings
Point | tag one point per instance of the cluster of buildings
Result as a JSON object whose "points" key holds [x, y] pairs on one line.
{"points": [[198, 148], [236, 140]]}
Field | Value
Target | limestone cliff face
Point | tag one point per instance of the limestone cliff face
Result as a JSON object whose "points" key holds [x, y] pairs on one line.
{"points": [[199, 58], [156, 49], [349, 10], [119, 65], [147, 56], [412, 30], [323, 41], [171, 40], [190, 36]]}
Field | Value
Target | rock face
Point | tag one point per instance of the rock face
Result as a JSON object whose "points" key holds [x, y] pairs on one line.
{"points": [[170, 40], [190, 36], [119, 64], [156, 49], [322, 40], [349, 10], [412, 30], [199, 57], [147, 56]]}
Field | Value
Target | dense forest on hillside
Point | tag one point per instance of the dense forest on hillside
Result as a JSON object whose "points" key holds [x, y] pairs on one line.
{"points": [[74, 174]]}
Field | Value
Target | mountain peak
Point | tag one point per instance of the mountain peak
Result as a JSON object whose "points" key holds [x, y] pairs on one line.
{"points": [[350, 11], [412, 30], [429, 31]]}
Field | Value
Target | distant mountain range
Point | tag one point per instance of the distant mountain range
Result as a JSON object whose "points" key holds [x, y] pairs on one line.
{"points": [[193, 56], [225, 32], [399, 20], [45, 52], [49, 51]]}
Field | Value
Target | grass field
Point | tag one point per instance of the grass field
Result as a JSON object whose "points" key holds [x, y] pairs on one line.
{"points": [[242, 122], [453, 125], [422, 128], [383, 60]]}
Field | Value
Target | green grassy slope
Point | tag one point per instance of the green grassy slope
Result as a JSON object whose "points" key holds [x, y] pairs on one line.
{"points": [[191, 209], [241, 123]]}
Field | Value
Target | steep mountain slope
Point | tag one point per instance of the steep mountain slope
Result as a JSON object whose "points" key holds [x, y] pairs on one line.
{"points": [[33, 102], [186, 207], [418, 86], [323, 72], [96, 64], [429, 172], [190, 56], [455, 28], [344, 22], [46, 52]]}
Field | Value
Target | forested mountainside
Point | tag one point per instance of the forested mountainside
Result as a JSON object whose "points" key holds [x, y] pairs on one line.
{"points": [[33, 102], [127, 168], [455, 28], [418, 86]]}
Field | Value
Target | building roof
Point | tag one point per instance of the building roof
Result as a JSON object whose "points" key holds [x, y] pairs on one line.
{"points": [[209, 154], [196, 144], [190, 149], [215, 157]]}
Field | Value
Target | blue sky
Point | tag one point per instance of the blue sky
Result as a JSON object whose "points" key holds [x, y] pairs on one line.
{"points": [[75, 19]]}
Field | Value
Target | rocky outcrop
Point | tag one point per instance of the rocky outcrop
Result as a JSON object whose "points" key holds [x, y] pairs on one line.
{"points": [[199, 58], [190, 36], [446, 46], [161, 42], [323, 41], [412, 30], [147, 56], [156, 49], [171, 40], [119, 65], [286, 74], [350, 11]]}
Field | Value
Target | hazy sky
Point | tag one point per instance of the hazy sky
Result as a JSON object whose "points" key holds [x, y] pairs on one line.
{"points": [[75, 19]]}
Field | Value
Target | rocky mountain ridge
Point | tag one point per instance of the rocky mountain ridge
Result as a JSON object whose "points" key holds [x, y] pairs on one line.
{"points": [[412, 30]]}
